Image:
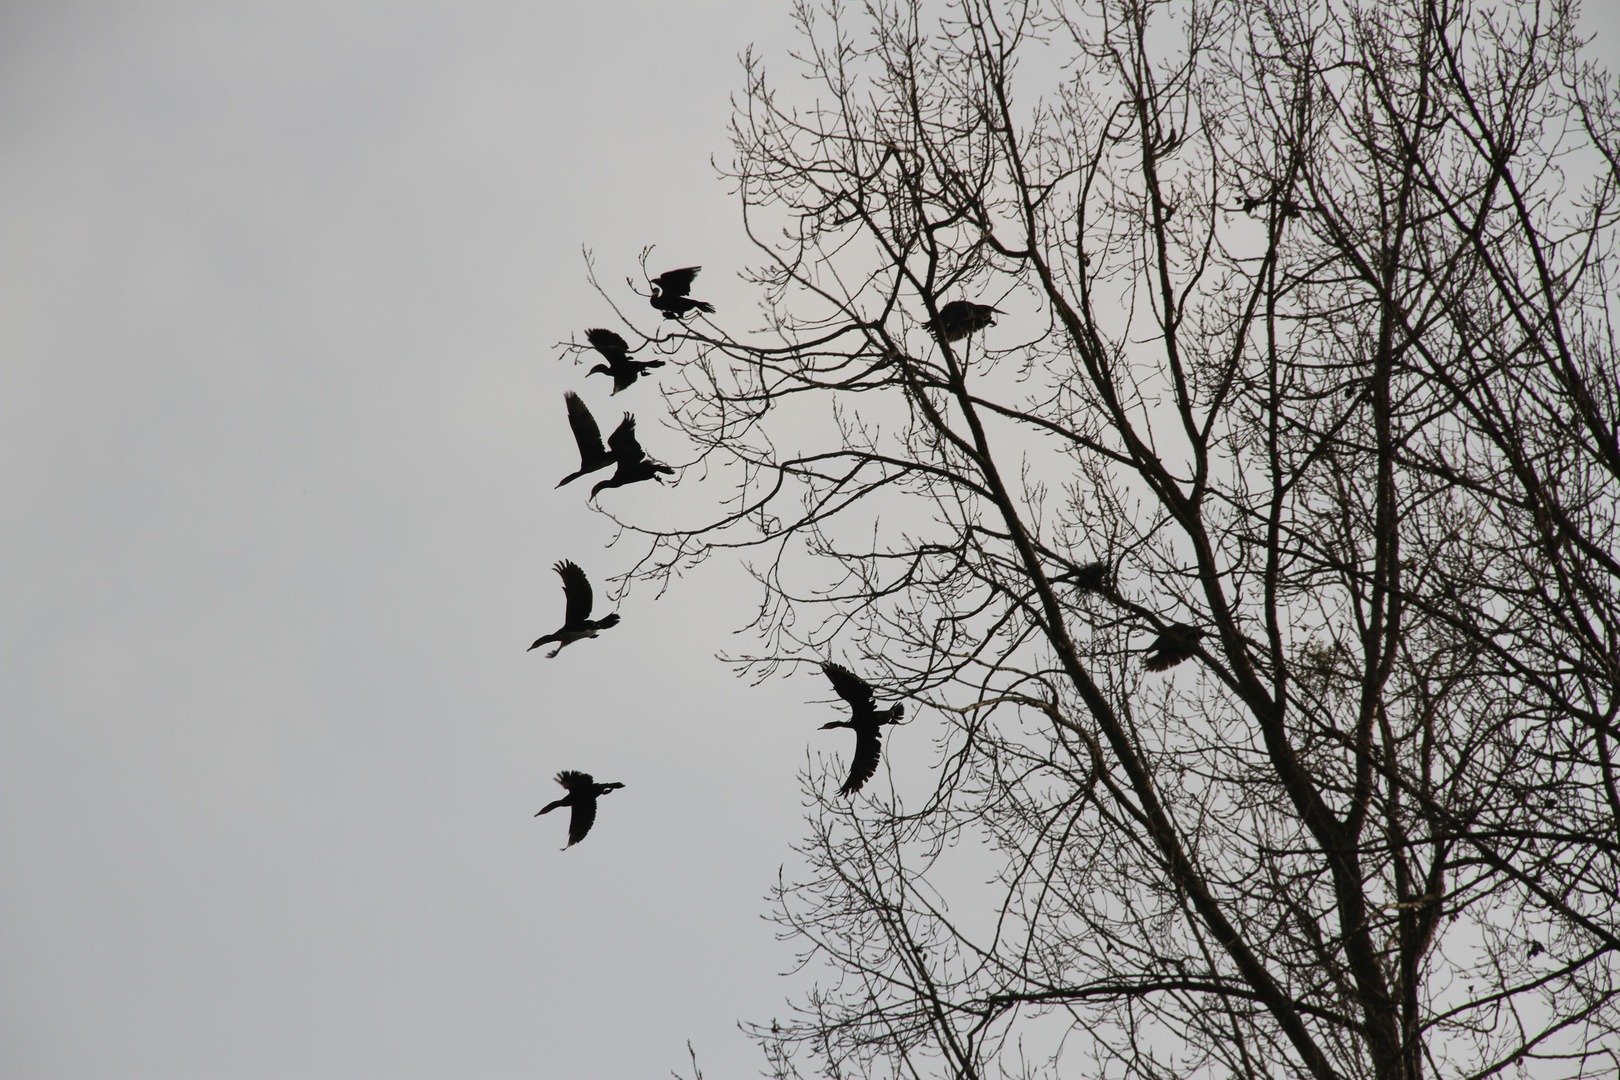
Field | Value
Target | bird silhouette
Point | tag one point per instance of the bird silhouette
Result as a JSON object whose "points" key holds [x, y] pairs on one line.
{"points": [[623, 370], [583, 792], [577, 622], [1175, 643], [959, 318], [634, 464], [592, 454], [865, 719], [670, 293]]}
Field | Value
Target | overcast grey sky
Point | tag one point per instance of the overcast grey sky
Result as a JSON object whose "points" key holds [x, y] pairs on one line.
{"points": [[280, 420]]}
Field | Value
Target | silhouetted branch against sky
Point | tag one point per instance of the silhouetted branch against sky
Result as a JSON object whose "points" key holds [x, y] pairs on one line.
{"points": [[1206, 415]]}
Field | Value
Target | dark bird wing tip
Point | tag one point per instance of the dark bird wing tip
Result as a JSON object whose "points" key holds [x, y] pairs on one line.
{"points": [[676, 282], [577, 596], [848, 685], [581, 820]]}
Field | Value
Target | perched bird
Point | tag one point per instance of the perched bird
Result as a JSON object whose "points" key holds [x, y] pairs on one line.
{"points": [[864, 718], [582, 795], [634, 464], [592, 454], [959, 318], [1175, 643], [577, 622], [669, 293], [623, 370]]}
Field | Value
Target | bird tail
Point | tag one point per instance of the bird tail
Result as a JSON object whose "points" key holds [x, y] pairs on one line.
{"points": [[607, 621], [897, 713], [704, 306]]}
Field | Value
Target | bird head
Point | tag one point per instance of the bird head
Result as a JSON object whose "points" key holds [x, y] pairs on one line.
{"points": [[603, 368]]}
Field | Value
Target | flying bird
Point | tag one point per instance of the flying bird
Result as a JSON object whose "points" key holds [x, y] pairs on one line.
{"points": [[670, 293], [583, 792], [634, 464], [865, 718], [592, 454], [623, 370], [959, 318], [577, 622], [1175, 643]]}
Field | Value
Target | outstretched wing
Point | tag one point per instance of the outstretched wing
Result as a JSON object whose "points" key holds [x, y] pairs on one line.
{"points": [[623, 442], [1161, 658], [677, 282], [577, 591], [581, 820], [575, 782], [1175, 643], [868, 749], [609, 344], [850, 686], [586, 433]]}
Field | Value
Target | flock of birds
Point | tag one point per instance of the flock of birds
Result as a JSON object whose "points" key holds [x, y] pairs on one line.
{"points": [[671, 295]]}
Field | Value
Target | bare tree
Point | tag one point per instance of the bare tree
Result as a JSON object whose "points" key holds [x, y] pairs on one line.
{"points": [[1303, 375]]}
